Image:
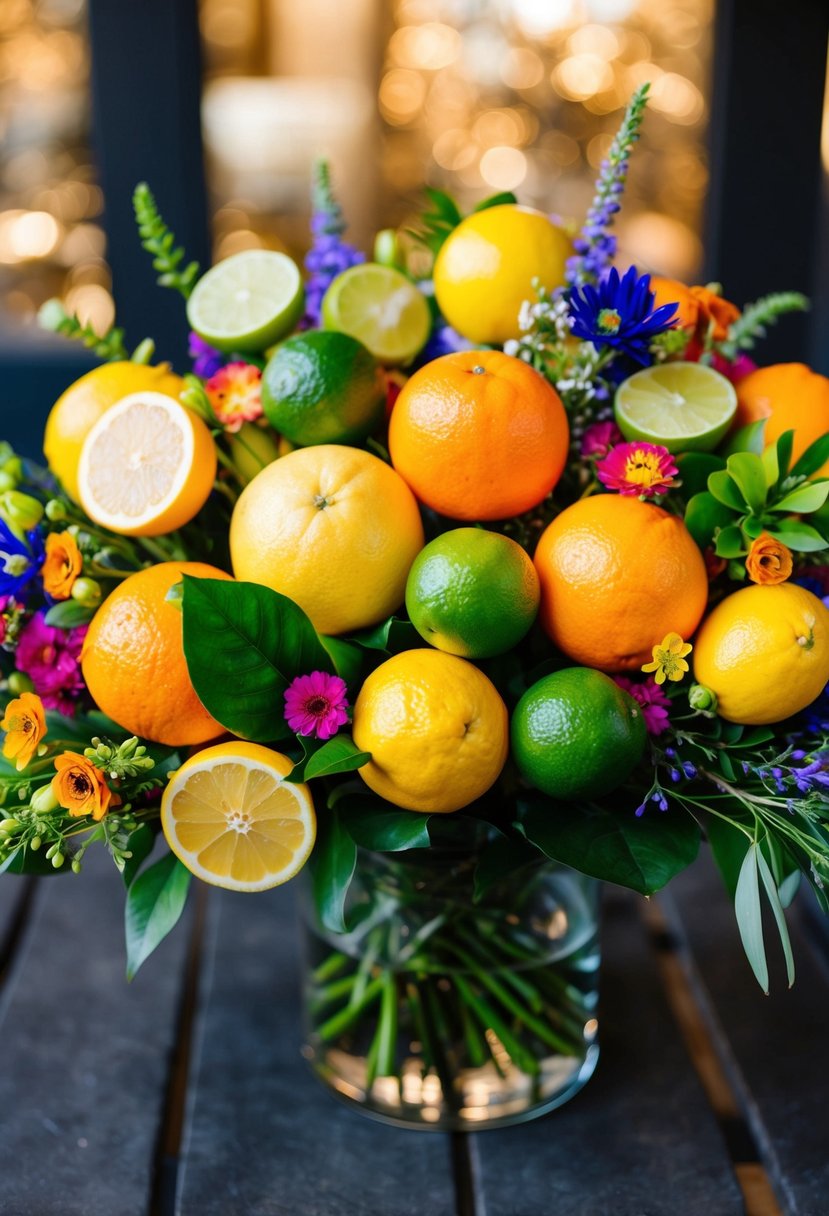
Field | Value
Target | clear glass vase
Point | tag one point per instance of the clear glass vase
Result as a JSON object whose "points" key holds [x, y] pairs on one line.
{"points": [[437, 1011]]}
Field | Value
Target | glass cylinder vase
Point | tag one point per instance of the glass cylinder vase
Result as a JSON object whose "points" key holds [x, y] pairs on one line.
{"points": [[449, 1004]]}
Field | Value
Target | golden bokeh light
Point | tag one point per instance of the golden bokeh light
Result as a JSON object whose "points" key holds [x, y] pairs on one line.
{"points": [[503, 168]]}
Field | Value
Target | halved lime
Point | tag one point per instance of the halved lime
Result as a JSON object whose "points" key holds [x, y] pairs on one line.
{"points": [[381, 308], [685, 407], [248, 301]]}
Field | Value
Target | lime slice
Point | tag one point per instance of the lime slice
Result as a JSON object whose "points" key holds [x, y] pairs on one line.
{"points": [[381, 308], [685, 407], [248, 301]]}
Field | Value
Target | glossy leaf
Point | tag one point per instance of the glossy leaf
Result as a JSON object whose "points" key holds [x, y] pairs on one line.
{"points": [[155, 901], [140, 844], [771, 465], [750, 918], [495, 200], [747, 471], [68, 615], [804, 499], [338, 755], [244, 644], [730, 542], [346, 657], [750, 438], [332, 866], [814, 458], [498, 860], [695, 468], [703, 515], [784, 452], [392, 634], [375, 824], [726, 491], [640, 853], [798, 536]]}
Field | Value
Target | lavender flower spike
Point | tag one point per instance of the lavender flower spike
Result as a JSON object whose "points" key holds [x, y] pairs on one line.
{"points": [[329, 255], [595, 247]]}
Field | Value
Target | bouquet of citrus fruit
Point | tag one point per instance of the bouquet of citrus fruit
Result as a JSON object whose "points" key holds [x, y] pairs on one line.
{"points": [[468, 579]]}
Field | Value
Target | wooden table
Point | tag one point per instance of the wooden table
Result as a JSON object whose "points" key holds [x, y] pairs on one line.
{"points": [[185, 1092]]}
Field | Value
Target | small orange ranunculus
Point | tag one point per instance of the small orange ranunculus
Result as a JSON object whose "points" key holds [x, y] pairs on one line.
{"points": [[80, 787], [768, 561], [25, 723], [714, 311], [62, 566]]}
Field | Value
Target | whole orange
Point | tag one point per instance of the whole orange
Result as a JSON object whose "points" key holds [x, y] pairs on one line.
{"points": [[133, 661], [479, 435], [617, 574], [792, 397]]}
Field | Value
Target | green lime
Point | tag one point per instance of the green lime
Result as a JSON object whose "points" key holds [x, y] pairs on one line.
{"points": [[382, 308], [472, 593], [685, 407], [248, 301], [323, 387], [576, 734]]}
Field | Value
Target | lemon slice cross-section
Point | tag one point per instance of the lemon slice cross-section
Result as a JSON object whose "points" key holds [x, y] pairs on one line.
{"points": [[231, 817]]}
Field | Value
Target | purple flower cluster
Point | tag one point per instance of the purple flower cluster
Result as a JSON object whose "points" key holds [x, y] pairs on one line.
{"points": [[206, 359], [595, 247], [329, 254]]}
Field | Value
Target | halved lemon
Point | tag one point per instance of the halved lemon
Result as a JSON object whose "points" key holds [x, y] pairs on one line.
{"points": [[230, 816], [685, 407], [147, 466]]}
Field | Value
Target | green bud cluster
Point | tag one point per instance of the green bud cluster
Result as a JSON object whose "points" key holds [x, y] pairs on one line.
{"points": [[121, 760]]}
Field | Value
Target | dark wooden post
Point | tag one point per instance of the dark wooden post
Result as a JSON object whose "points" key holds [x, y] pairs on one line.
{"points": [[146, 91], [766, 107]]}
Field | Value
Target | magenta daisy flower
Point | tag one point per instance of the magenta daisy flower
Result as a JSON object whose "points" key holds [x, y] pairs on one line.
{"points": [[643, 469], [598, 439], [653, 701], [316, 704]]}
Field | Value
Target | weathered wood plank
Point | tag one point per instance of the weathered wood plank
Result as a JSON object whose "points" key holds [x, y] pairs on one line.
{"points": [[85, 1056], [264, 1138], [777, 1046], [641, 1139]]}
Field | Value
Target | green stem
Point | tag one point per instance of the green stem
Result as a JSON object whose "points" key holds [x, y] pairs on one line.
{"points": [[490, 1020], [341, 1021], [332, 992], [330, 967], [388, 1026]]}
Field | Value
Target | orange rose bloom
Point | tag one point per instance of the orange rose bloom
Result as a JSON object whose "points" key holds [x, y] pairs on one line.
{"points": [[80, 787], [25, 723], [671, 291], [62, 566], [768, 561], [714, 309]]}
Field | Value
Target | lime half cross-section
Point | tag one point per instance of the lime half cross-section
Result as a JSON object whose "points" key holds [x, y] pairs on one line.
{"points": [[248, 301], [381, 308], [685, 407]]}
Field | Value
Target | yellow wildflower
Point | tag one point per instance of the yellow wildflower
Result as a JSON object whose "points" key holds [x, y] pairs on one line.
{"points": [[669, 659], [25, 723]]}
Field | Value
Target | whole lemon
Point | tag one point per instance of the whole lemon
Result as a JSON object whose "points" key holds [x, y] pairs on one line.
{"points": [[436, 728], [78, 409], [764, 651], [333, 528], [486, 267]]}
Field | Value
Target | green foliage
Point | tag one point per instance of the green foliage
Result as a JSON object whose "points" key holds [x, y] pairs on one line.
{"points": [[445, 215], [641, 853], [233, 630], [159, 241], [755, 490], [375, 824], [332, 868], [68, 614], [155, 901]]}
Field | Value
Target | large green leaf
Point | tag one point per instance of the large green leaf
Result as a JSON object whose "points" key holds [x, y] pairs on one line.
{"points": [[730, 542], [244, 644], [155, 901], [750, 917], [746, 469], [814, 458], [68, 614], [749, 438], [339, 755], [332, 868], [806, 498], [798, 536], [722, 485], [642, 853], [695, 468], [704, 515], [375, 824]]}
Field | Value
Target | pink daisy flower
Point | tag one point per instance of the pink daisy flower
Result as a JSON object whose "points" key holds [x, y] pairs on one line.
{"points": [[234, 393], [643, 469], [598, 439], [316, 704], [653, 701]]}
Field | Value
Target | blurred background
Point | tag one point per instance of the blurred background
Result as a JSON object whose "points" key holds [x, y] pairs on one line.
{"points": [[222, 105]]}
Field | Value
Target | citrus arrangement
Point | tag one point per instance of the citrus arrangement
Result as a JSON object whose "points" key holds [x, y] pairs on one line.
{"points": [[463, 588]]}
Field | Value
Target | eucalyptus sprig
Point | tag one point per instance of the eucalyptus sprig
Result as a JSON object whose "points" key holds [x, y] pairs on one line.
{"points": [[745, 332], [109, 346], [158, 240], [755, 491]]}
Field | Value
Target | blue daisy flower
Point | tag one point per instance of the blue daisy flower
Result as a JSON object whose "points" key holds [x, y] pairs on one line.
{"points": [[20, 561], [619, 312]]}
